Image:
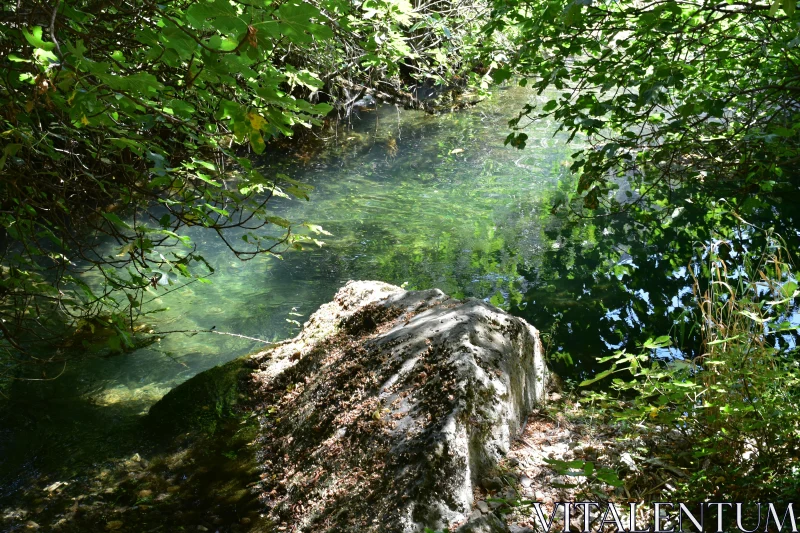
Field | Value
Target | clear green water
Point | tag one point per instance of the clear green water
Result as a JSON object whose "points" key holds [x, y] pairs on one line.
{"points": [[408, 198]]}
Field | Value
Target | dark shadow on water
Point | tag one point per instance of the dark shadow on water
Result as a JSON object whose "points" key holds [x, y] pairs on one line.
{"points": [[610, 284]]}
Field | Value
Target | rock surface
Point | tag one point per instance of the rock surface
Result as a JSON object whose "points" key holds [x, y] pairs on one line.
{"points": [[390, 407]]}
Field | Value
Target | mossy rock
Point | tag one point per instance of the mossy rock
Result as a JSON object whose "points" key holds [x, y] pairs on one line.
{"points": [[203, 401]]}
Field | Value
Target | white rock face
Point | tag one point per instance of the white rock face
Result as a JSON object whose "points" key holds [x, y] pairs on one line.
{"points": [[390, 406]]}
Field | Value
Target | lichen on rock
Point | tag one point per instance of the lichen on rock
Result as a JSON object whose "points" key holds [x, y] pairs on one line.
{"points": [[389, 407]]}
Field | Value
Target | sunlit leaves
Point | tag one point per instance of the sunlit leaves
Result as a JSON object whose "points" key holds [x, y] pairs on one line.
{"points": [[296, 22], [34, 37], [733, 408], [788, 6], [120, 109], [204, 15], [714, 89]]}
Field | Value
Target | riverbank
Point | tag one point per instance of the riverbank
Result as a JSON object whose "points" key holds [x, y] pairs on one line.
{"points": [[190, 470], [204, 473]]}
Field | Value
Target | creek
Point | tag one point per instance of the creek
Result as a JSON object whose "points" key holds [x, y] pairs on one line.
{"points": [[410, 199]]}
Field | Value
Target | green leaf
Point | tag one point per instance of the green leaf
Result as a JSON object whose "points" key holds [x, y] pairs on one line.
{"points": [[257, 142], [296, 20], [282, 222], [297, 192], [497, 299], [34, 37], [206, 178], [205, 164], [720, 341], [10, 150], [114, 343], [317, 229], [115, 220], [599, 376], [140, 82], [609, 477], [136, 147], [754, 317], [787, 289], [660, 342], [182, 109], [501, 74], [202, 14]]}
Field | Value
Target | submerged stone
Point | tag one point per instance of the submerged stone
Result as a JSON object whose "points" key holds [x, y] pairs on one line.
{"points": [[202, 402], [389, 408]]}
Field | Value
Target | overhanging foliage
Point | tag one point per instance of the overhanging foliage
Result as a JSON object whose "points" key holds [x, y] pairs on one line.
{"points": [[125, 121], [669, 92]]}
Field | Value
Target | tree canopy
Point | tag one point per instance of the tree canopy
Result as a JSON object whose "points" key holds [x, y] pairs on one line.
{"points": [[674, 96], [124, 122]]}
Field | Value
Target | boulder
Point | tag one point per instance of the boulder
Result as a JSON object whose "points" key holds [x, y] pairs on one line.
{"points": [[389, 407], [202, 403]]}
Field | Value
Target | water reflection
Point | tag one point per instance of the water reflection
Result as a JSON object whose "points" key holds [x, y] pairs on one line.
{"points": [[613, 282]]}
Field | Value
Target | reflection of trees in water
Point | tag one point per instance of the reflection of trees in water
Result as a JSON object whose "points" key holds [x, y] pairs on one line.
{"points": [[611, 283]]}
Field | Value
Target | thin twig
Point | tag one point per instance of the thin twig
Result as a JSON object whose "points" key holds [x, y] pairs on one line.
{"points": [[53, 27], [44, 379], [195, 331]]}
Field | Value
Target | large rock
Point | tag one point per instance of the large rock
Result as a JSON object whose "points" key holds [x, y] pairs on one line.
{"points": [[388, 408]]}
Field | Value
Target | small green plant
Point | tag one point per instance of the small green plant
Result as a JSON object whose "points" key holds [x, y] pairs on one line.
{"points": [[728, 418], [232, 455], [594, 478]]}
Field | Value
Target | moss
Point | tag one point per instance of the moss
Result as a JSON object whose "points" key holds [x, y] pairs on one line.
{"points": [[202, 402]]}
